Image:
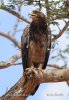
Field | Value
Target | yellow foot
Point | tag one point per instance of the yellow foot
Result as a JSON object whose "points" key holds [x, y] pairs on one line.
{"points": [[32, 67], [40, 67]]}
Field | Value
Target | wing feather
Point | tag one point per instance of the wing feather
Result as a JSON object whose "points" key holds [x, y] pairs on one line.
{"points": [[24, 47], [48, 49]]}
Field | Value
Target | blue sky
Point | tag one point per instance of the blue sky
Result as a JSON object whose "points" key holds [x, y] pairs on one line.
{"points": [[9, 76]]}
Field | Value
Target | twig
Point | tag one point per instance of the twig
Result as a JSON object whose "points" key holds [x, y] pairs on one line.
{"points": [[10, 37], [61, 32], [55, 66], [14, 13], [15, 27]]}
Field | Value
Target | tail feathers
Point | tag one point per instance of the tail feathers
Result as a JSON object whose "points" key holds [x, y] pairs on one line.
{"points": [[35, 89]]}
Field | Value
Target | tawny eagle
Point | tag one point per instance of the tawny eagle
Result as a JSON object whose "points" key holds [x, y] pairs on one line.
{"points": [[36, 42]]}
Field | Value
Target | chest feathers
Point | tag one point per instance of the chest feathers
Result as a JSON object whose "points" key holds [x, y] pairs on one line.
{"points": [[38, 42]]}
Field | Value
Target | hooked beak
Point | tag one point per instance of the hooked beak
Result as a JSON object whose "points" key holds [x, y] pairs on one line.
{"points": [[32, 15]]}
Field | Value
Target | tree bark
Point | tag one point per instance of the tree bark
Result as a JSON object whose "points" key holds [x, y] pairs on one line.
{"points": [[31, 78]]}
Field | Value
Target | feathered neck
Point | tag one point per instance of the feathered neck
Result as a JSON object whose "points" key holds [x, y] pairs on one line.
{"points": [[37, 30], [37, 27]]}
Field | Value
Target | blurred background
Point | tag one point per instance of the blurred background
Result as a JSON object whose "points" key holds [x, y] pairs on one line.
{"points": [[57, 16]]}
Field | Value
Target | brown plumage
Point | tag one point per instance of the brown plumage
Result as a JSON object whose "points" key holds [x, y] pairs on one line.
{"points": [[36, 43]]}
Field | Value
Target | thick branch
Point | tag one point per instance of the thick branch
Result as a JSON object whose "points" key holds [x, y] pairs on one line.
{"points": [[10, 37], [33, 77], [10, 61], [61, 32], [13, 13]]}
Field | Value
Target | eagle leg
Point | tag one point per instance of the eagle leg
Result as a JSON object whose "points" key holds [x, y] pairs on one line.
{"points": [[32, 66], [40, 67]]}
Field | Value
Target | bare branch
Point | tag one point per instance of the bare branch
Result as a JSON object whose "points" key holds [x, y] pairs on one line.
{"points": [[19, 63], [58, 67], [55, 66], [10, 61], [15, 26], [10, 37], [33, 77], [61, 32], [13, 13]]}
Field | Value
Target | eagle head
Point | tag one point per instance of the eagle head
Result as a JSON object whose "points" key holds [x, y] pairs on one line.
{"points": [[37, 16]]}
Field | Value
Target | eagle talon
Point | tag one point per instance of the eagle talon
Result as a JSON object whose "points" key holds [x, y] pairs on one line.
{"points": [[32, 67], [30, 73], [40, 69], [40, 66], [27, 69]]}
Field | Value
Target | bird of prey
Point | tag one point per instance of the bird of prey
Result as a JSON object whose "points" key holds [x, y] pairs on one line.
{"points": [[36, 43]]}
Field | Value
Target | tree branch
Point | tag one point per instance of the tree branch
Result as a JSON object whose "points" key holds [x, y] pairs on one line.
{"points": [[33, 77], [56, 66], [10, 61], [15, 26], [61, 32], [10, 37], [13, 13]]}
